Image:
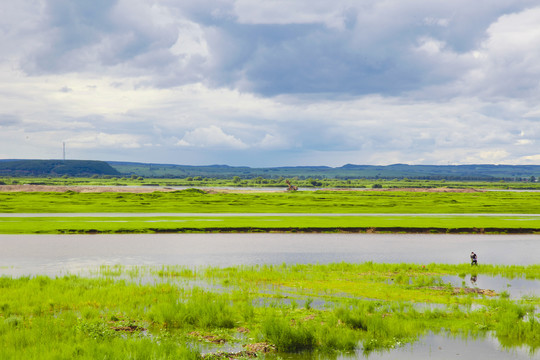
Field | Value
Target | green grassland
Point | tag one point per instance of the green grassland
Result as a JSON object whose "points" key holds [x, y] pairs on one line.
{"points": [[324, 310], [262, 182], [198, 201], [261, 223], [398, 211]]}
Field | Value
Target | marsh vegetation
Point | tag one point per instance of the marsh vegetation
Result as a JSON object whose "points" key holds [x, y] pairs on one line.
{"points": [[184, 312]]}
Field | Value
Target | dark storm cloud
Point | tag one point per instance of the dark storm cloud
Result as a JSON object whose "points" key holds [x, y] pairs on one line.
{"points": [[373, 49], [83, 35], [374, 52]]}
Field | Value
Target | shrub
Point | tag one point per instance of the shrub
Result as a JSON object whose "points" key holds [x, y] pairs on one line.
{"points": [[288, 337]]}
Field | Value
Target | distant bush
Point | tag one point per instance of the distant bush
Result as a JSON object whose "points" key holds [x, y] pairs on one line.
{"points": [[191, 191]]}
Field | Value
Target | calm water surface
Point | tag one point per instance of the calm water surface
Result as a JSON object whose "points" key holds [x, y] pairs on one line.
{"points": [[432, 346], [54, 254]]}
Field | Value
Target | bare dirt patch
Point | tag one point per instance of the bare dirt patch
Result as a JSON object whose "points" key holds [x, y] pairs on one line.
{"points": [[82, 189], [464, 291], [150, 189]]}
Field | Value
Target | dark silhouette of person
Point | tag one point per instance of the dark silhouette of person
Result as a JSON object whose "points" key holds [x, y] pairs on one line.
{"points": [[474, 259]]}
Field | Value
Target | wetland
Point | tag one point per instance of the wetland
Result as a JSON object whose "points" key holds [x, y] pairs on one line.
{"points": [[320, 311], [279, 275], [295, 296]]}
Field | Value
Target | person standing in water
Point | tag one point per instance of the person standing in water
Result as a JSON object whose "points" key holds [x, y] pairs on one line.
{"points": [[474, 259]]}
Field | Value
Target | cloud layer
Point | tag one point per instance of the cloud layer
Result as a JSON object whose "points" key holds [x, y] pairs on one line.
{"points": [[264, 83]]}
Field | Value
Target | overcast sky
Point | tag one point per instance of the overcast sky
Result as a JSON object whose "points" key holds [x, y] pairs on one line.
{"points": [[271, 82]]}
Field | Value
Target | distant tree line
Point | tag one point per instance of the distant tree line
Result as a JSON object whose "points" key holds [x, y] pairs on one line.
{"points": [[313, 175], [56, 168]]}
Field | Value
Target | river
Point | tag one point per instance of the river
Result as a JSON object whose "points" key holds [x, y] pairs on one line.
{"points": [[54, 254]]}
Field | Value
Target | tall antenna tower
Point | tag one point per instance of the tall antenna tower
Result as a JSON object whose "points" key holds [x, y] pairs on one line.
{"points": [[64, 151]]}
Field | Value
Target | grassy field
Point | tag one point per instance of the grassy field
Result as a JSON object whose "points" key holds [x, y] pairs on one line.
{"points": [[425, 211], [198, 201], [280, 182], [217, 223], [326, 310]]}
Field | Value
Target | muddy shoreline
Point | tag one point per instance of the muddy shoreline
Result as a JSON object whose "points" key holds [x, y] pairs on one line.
{"points": [[345, 230]]}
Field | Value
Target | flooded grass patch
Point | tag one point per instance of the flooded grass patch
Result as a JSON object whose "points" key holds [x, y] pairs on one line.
{"points": [[113, 314]]}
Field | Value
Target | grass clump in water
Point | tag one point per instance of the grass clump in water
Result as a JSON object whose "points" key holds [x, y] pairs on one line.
{"points": [[351, 307], [288, 337], [202, 309]]}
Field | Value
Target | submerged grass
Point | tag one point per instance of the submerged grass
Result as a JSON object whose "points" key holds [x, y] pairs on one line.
{"points": [[348, 307]]}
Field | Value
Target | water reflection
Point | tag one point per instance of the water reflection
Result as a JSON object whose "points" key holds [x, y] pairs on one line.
{"points": [[515, 288], [432, 346], [55, 254], [444, 347]]}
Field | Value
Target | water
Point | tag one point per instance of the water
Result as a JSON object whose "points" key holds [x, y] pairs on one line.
{"points": [[54, 254], [516, 288], [431, 346], [444, 347], [58, 254]]}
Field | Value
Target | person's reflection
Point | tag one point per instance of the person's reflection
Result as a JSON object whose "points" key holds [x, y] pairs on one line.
{"points": [[473, 279]]}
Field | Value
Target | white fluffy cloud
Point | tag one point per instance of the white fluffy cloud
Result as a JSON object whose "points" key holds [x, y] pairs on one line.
{"points": [[268, 83], [210, 137]]}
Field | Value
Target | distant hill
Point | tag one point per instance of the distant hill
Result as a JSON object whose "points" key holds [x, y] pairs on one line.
{"points": [[349, 171], [86, 168], [76, 168]]}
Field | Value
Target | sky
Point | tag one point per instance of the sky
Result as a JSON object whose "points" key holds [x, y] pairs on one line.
{"points": [[265, 83]]}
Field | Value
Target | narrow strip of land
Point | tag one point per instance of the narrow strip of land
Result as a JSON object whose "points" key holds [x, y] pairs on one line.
{"points": [[133, 223], [104, 214], [198, 211]]}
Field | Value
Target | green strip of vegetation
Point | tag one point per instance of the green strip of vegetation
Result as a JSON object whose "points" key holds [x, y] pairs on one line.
{"points": [[193, 200], [320, 202], [316, 308], [137, 177], [299, 223]]}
